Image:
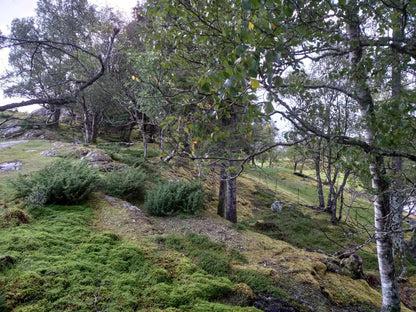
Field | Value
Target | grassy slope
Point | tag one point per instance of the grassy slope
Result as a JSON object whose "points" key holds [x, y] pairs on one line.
{"points": [[306, 228], [61, 262]]}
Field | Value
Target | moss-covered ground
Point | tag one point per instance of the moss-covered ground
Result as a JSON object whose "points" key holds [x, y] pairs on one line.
{"points": [[59, 262]]}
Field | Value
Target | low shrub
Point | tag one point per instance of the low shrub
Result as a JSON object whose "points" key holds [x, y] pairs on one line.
{"points": [[126, 183], [175, 197], [63, 182]]}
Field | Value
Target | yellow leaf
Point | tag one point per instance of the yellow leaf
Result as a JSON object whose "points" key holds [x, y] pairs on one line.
{"points": [[254, 83], [250, 25], [133, 77]]}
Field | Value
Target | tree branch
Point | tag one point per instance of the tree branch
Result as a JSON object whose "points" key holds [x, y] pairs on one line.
{"points": [[61, 101]]}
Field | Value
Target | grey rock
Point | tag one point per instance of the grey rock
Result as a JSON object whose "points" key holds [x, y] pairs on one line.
{"points": [[353, 266], [95, 156], [277, 206], [10, 166], [50, 153], [11, 132]]}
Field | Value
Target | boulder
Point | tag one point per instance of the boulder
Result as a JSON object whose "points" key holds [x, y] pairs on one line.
{"points": [[50, 153], [98, 159], [97, 156], [352, 266], [277, 206], [10, 132], [10, 166]]}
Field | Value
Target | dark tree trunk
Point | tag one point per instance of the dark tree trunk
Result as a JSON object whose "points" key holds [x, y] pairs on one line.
{"points": [[231, 210], [303, 164], [334, 202], [162, 140], [222, 193], [56, 116]]}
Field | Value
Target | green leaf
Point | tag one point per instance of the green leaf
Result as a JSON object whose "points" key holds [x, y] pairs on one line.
{"points": [[206, 87], [269, 107], [255, 84], [255, 3]]}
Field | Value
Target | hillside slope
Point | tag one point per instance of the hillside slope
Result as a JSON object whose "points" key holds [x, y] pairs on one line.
{"points": [[280, 277]]}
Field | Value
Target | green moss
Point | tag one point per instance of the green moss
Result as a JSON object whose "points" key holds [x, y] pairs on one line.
{"points": [[203, 242], [187, 290], [258, 282], [237, 256], [61, 263], [213, 262], [208, 255]]}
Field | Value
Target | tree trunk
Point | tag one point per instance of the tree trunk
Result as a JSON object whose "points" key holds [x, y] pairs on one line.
{"points": [[382, 210], [334, 202], [295, 165], [91, 122], [144, 138], [222, 193], [56, 115], [162, 140], [317, 161], [397, 197], [385, 255], [231, 210], [90, 128], [353, 197], [303, 164], [341, 193]]}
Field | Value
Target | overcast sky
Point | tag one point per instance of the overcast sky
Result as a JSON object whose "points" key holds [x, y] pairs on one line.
{"points": [[11, 9]]}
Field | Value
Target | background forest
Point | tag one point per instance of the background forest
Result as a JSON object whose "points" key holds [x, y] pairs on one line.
{"points": [[204, 95]]}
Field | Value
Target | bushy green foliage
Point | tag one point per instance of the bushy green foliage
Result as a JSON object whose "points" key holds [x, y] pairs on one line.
{"points": [[174, 197], [126, 183], [62, 182]]}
